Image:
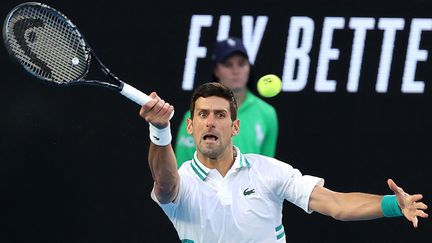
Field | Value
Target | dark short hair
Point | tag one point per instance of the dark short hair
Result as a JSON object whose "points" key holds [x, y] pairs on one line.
{"points": [[214, 89]]}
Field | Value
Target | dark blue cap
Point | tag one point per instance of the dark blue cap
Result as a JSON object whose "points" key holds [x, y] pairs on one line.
{"points": [[226, 48]]}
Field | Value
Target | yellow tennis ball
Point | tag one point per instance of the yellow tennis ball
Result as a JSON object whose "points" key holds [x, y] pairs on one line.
{"points": [[269, 85]]}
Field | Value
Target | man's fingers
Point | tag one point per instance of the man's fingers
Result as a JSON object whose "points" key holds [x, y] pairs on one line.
{"points": [[160, 113], [421, 206], [415, 221], [411, 204], [392, 185], [146, 108], [416, 197], [156, 111], [167, 110], [149, 105], [422, 214], [159, 107], [395, 188], [154, 105], [153, 95]]}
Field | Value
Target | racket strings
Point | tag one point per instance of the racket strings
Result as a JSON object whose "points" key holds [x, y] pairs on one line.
{"points": [[48, 44]]}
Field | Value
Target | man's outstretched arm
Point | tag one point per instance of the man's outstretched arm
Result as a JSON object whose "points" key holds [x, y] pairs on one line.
{"points": [[161, 157], [362, 206]]}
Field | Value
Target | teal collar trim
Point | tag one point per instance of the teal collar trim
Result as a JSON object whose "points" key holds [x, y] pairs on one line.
{"points": [[241, 160], [200, 170]]}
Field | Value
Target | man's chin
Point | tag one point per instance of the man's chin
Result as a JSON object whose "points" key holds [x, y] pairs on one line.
{"points": [[210, 152]]}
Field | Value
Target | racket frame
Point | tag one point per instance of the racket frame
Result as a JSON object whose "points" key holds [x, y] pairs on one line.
{"points": [[122, 87]]}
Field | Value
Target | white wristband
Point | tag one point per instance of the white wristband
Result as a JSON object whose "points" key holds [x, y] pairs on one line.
{"points": [[160, 137]]}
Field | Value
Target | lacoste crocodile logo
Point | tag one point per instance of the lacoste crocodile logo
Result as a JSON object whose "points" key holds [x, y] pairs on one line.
{"points": [[247, 192]]}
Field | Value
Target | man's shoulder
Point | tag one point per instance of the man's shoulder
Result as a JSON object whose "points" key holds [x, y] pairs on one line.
{"points": [[268, 171], [186, 169], [262, 163], [258, 160]]}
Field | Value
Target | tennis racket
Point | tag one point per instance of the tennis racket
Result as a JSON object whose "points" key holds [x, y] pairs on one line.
{"points": [[50, 47]]}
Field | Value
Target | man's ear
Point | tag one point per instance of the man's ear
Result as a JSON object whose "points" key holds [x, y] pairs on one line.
{"points": [[189, 126], [235, 127]]}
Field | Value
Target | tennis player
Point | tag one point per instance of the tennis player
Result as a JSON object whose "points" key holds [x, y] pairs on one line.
{"points": [[222, 195]]}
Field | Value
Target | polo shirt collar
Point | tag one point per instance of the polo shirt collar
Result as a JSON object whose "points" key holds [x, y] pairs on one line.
{"points": [[240, 160], [202, 171]]}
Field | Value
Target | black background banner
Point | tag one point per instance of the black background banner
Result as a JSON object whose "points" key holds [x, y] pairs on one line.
{"points": [[73, 161]]}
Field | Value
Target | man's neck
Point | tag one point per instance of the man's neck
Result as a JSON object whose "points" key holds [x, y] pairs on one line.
{"points": [[223, 163]]}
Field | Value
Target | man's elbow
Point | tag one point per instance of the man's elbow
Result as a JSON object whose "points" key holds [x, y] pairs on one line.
{"points": [[338, 211], [166, 192]]}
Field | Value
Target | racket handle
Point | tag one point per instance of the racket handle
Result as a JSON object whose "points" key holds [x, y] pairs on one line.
{"points": [[136, 95]]}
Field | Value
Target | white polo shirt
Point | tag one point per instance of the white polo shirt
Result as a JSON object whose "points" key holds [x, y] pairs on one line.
{"points": [[244, 206]]}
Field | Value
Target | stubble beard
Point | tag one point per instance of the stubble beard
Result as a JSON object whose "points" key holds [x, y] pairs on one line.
{"points": [[212, 153]]}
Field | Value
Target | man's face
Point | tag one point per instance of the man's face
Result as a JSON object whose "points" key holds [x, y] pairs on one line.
{"points": [[212, 127], [234, 72]]}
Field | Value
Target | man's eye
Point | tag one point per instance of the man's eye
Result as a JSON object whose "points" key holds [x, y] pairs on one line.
{"points": [[202, 114], [221, 115]]}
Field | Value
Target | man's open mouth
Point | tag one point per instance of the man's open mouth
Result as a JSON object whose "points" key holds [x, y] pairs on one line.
{"points": [[210, 137]]}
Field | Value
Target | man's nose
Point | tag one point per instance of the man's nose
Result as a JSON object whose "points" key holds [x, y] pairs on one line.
{"points": [[210, 121]]}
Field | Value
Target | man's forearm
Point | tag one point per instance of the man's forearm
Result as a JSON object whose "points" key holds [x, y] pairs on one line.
{"points": [[359, 206], [345, 206], [163, 166]]}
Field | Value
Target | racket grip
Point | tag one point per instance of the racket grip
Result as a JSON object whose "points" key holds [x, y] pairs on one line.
{"points": [[136, 95]]}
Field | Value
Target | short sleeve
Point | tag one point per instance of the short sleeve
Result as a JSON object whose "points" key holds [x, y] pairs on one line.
{"points": [[171, 208], [288, 183]]}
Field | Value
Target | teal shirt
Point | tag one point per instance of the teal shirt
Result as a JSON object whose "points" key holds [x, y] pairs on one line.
{"points": [[258, 130]]}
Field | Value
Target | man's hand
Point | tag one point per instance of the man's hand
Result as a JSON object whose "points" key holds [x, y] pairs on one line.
{"points": [[409, 204], [156, 111]]}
